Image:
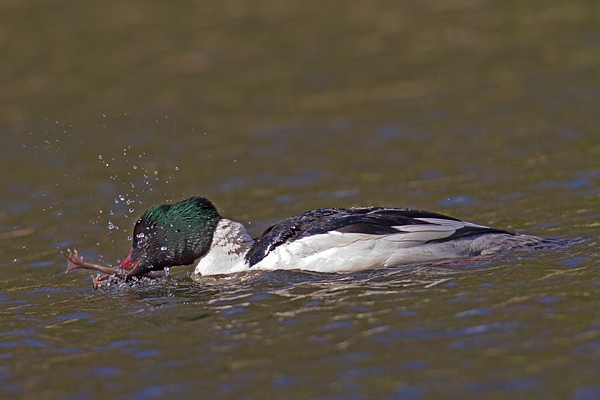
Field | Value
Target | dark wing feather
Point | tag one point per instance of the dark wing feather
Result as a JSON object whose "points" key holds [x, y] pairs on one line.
{"points": [[367, 220], [469, 231]]}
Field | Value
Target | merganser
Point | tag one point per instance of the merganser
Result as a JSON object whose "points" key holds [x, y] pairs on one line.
{"points": [[324, 240]]}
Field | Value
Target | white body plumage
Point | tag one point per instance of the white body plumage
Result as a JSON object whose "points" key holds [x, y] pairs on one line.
{"points": [[339, 251]]}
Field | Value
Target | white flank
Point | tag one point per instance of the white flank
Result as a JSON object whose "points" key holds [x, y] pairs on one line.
{"points": [[336, 251]]}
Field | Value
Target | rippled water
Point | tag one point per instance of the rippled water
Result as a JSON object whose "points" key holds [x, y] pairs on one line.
{"points": [[483, 111]]}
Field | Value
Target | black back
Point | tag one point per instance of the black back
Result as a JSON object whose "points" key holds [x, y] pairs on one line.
{"points": [[367, 220]]}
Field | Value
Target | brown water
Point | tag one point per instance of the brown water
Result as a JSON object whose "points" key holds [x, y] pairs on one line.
{"points": [[486, 111]]}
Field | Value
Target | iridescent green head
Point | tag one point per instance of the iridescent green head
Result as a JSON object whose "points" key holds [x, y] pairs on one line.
{"points": [[172, 234]]}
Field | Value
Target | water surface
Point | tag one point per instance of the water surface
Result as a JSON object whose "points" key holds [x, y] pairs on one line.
{"points": [[484, 111]]}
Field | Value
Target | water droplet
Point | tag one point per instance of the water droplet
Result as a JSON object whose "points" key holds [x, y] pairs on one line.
{"points": [[131, 210], [100, 157], [176, 168], [163, 248]]}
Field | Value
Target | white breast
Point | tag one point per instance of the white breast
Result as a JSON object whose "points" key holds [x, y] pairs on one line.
{"points": [[226, 254]]}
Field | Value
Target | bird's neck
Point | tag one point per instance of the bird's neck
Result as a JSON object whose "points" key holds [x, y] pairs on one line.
{"points": [[229, 245]]}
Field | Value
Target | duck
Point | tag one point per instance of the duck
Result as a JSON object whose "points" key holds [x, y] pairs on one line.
{"points": [[192, 232]]}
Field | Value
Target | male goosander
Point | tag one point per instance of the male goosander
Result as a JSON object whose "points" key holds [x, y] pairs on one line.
{"points": [[324, 240]]}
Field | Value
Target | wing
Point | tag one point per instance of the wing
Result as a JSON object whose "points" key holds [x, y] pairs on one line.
{"points": [[412, 227]]}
